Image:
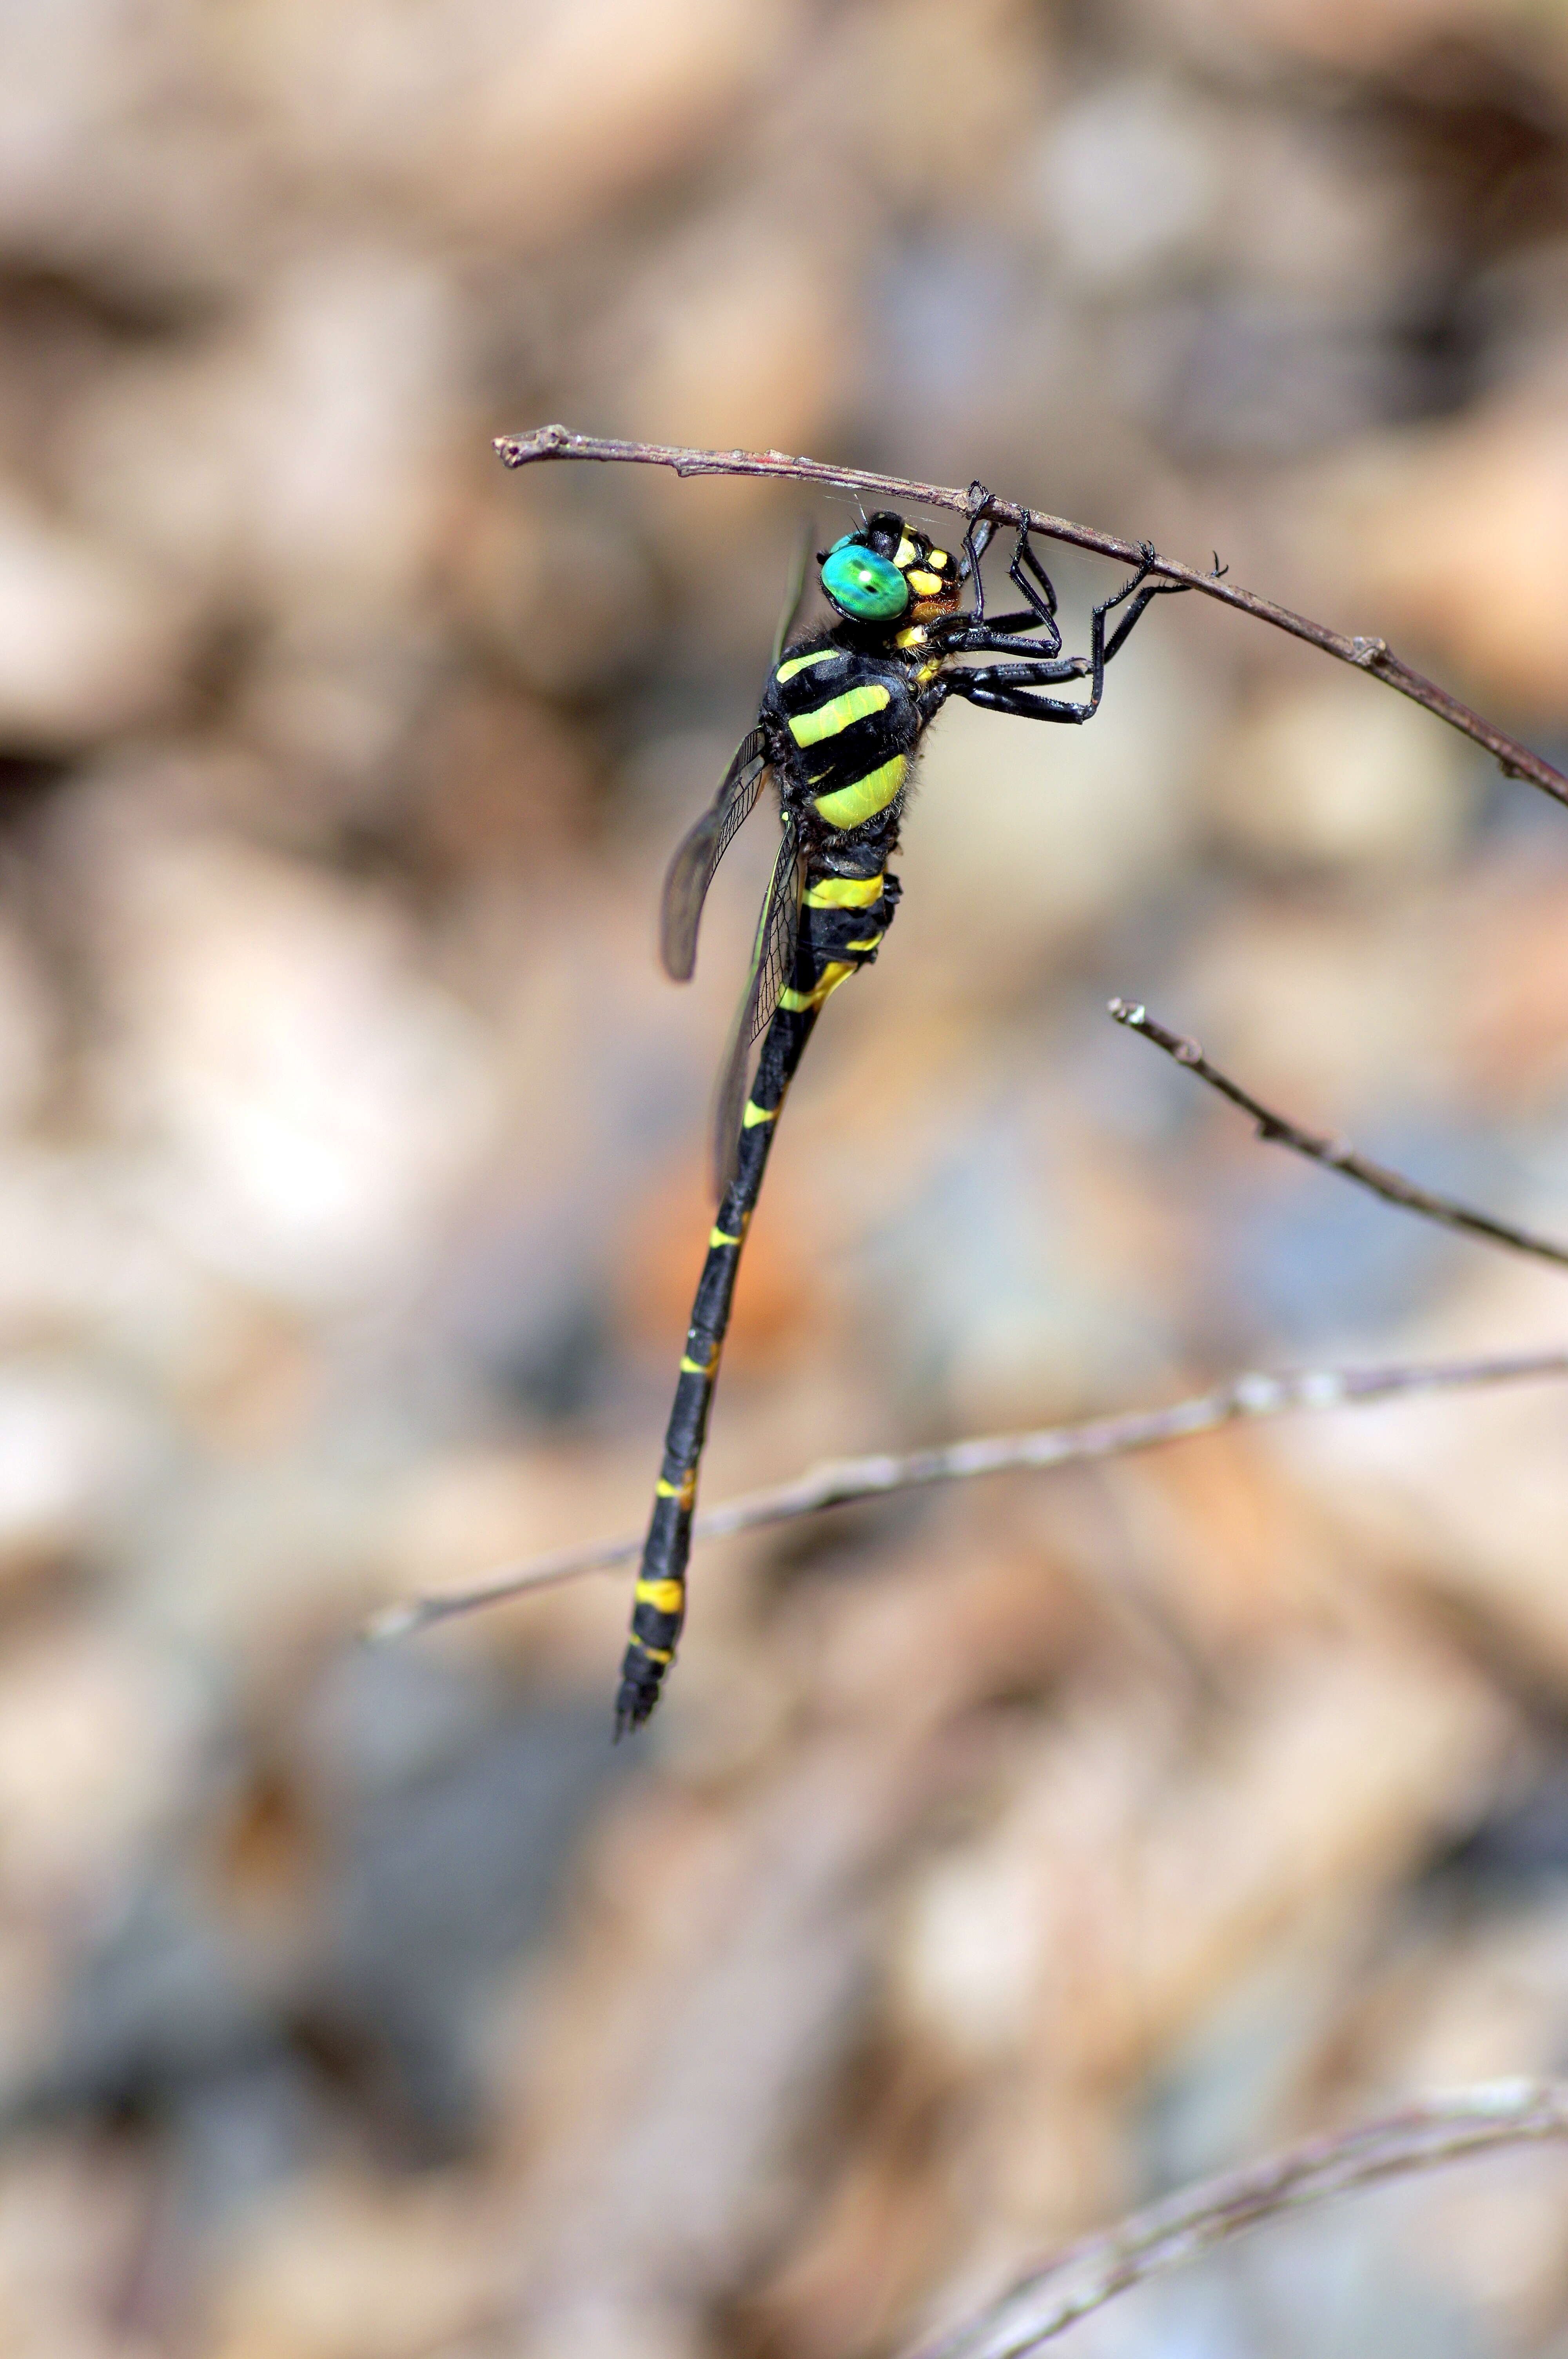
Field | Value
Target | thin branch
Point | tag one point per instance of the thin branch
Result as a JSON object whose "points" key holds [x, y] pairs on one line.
{"points": [[1368, 655], [1419, 2138], [1338, 1154], [842, 1480]]}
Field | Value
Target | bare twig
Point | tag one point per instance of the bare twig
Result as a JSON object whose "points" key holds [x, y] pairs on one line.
{"points": [[1419, 2138], [1368, 655], [1338, 1154], [845, 1479]]}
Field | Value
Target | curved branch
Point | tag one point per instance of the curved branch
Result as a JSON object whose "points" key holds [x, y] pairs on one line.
{"points": [[1368, 655], [1338, 1154], [1419, 2138], [842, 1480]]}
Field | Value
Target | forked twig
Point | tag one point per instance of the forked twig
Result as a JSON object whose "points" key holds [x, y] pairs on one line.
{"points": [[1368, 655], [842, 1480], [1419, 2138], [1338, 1154]]}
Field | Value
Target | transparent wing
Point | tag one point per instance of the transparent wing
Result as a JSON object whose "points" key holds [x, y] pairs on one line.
{"points": [[772, 961], [796, 591], [700, 852]]}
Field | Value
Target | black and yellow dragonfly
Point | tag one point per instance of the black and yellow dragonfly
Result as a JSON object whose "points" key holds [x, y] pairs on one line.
{"points": [[841, 721]]}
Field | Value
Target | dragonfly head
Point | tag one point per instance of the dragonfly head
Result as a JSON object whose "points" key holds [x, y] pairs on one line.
{"points": [[888, 574]]}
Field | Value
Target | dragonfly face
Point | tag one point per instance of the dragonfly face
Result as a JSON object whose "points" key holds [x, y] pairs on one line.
{"points": [[889, 575]]}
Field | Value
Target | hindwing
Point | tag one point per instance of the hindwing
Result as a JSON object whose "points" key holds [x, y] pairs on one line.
{"points": [[699, 853]]}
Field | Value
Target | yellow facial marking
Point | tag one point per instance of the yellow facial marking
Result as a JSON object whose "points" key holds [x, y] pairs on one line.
{"points": [[913, 637], [845, 893], [803, 663], [926, 585], [907, 553], [664, 1596], [839, 713], [754, 1114], [938, 561], [865, 797]]}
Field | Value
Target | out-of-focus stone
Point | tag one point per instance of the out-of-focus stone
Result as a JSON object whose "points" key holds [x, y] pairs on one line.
{"points": [[596, 98], [1128, 182], [309, 1099], [292, 456], [1339, 776], [29, 1030], [1341, 33], [116, 164], [1005, 1951], [742, 334], [753, 1930], [96, 1736], [1452, 537], [70, 1452], [1050, 831], [343, 2265], [1304, 1010], [73, 2211], [91, 642], [1511, 1034], [564, 599], [925, 98]]}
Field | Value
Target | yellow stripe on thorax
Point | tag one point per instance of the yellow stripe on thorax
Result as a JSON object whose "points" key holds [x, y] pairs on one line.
{"points": [[839, 713], [849, 805], [803, 663], [845, 892]]}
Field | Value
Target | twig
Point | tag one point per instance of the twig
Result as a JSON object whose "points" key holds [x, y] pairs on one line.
{"points": [[1338, 1154], [1368, 655], [1419, 2138], [845, 1479]]}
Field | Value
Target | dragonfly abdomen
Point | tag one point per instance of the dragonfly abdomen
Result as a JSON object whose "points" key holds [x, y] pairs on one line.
{"points": [[847, 907]]}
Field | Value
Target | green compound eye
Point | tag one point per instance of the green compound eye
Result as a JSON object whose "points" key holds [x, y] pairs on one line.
{"points": [[862, 584]]}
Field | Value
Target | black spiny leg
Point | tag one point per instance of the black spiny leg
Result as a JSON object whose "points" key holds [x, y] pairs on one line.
{"points": [[1012, 688], [974, 635], [978, 536]]}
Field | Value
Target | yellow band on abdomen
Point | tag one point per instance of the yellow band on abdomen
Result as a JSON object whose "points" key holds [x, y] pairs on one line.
{"points": [[845, 893], [833, 975], [664, 1596]]}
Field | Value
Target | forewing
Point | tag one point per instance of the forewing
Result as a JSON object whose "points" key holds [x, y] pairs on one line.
{"points": [[700, 852], [772, 962], [796, 591]]}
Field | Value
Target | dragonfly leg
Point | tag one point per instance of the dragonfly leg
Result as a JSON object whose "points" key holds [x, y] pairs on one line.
{"points": [[1012, 688]]}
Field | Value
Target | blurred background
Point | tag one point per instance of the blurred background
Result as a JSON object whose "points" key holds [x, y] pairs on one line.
{"points": [[999, 1859]]}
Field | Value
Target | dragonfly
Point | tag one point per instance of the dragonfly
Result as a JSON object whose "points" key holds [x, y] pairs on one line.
{"points": [[838, 732]]}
